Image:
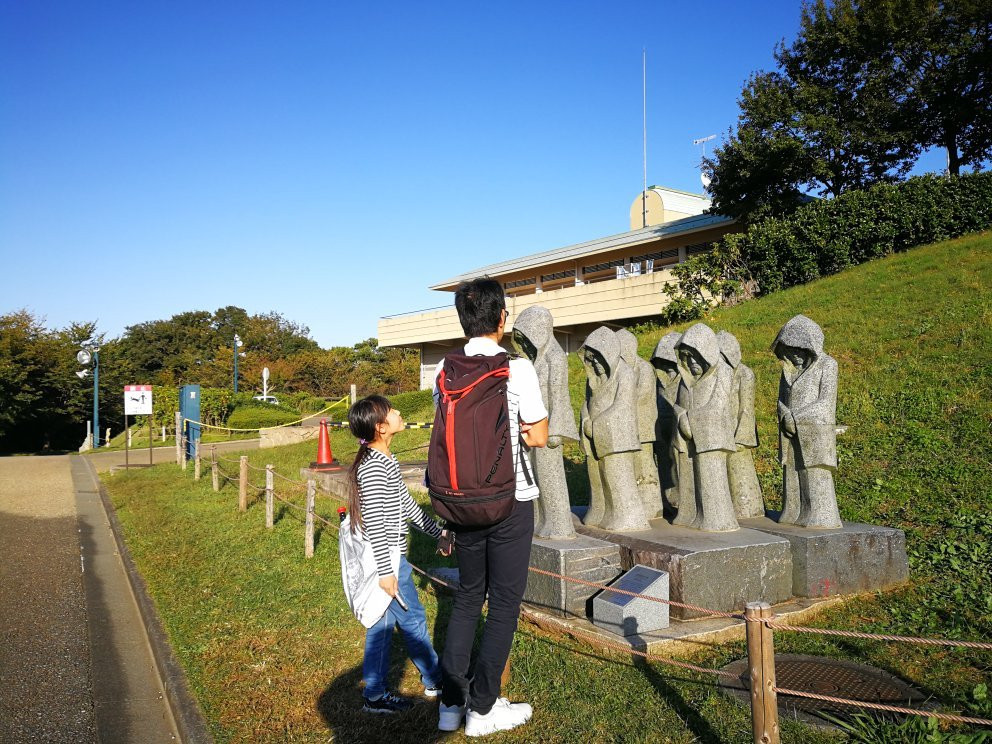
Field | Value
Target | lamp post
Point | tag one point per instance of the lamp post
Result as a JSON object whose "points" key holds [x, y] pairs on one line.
{"points": [[237, 342], [90, 351]]}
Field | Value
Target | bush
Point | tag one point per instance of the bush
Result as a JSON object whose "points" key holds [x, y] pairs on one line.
{"points": [[827, 236], [416, 406], [261, 416]]}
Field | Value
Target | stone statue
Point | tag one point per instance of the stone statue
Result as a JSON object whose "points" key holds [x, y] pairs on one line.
{"points": [[807, 403], [666, 366], [744, 486], [533, 337], [645, 467], [706, 427], [609, 436]]}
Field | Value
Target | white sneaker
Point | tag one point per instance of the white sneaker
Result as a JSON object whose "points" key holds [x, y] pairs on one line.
{"points": [[503, 717], [450, 717]]}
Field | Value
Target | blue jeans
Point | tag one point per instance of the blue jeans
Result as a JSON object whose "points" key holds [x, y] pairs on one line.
{"points": [[413, 626]]}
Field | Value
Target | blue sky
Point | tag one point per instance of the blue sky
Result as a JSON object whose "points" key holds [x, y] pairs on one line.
{"points": [[329, 161]]}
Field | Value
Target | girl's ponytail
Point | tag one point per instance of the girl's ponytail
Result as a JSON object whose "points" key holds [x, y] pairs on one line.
{"points": [[363, 418]]}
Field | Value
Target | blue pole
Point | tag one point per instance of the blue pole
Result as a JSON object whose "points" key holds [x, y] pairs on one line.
{"points": [[96, 399], [235, 363]]}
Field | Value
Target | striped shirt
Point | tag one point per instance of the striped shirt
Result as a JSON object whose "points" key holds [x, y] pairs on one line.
{"points": [[386, 506]]}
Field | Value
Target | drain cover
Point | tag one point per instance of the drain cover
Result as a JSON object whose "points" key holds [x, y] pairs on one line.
{"points": [[834, 677]]}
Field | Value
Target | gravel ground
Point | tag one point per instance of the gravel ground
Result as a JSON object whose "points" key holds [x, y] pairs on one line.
{"points": [[44, 648]]}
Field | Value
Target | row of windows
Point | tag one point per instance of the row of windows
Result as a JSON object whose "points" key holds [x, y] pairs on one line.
{"points": [[663, 255]]}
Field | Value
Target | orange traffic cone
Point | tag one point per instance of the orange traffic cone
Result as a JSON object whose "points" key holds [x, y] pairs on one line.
{"points": [[325, 460]]}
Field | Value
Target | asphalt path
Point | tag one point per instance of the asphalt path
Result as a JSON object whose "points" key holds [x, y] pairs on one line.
{"points": [[137, 457], [75, 660]]}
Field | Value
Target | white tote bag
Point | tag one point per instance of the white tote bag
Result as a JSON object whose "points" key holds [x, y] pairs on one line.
{"points": [[360, 577]]}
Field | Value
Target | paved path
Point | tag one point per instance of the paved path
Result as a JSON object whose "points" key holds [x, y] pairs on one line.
{"points": [[75, 664], [105, 460]]}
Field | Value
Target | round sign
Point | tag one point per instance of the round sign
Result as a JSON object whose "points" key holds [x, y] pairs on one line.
{"points": [[83, 357], [265, 373]]}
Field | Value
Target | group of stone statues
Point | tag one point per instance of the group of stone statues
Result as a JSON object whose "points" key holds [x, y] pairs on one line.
{"points": [[675, 436]]}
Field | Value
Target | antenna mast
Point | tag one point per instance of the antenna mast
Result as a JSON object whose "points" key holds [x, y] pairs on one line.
{"points": [[644, 130]]}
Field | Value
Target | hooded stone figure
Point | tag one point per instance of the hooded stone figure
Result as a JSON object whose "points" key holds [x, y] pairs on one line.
{"points": [[744, 486], [666, 369], [609, 436], [706, 427], [807, 403], [533, 337], [645, 467]]}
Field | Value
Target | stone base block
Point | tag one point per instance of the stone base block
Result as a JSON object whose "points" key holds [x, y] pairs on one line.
{"points": [[855, 558], [626, 615], [582, 557], [717, 570], [286, 435]]}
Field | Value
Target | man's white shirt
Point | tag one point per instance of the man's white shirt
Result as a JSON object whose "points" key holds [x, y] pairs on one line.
{"points": [[524, 403]]}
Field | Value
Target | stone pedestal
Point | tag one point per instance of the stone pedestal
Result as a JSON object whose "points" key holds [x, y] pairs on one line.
{"points": [[717, 570], [626, 615], [581, 557], [855, 558]]}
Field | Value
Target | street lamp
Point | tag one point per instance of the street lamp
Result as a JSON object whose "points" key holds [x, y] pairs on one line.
{"points": [[90, 351], [237, 342]]}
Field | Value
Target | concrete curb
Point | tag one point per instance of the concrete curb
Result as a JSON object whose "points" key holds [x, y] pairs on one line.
{"points": [[185, 709]]}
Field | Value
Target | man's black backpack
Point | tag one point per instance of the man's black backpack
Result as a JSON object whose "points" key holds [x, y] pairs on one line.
{"points": [[471, 478]]}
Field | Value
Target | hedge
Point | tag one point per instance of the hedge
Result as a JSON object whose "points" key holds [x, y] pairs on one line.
{"points": [[830, 235], [256, 417]]}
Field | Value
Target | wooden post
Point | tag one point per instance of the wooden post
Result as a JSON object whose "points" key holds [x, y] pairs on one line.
{"points": [[270, 493], [243, 485], [768, 676], [308, 533], [214, 468], [179, 443], [761, 667], [196, 463], [505, 679], [353, 393]]}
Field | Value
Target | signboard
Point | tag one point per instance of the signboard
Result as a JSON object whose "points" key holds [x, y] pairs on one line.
{"points": [[137, 400]]}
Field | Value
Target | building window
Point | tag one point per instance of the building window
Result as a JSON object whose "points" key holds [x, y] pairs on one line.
{"points": [[519, 283], [595, 268], [696, 248], [558, 275], [658, 256]]}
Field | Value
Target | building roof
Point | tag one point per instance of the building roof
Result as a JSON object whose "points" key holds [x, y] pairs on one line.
{"points": [[647, 234]]}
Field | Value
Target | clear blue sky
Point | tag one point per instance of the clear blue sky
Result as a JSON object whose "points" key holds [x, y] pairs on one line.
{"points": [[329, 161]]}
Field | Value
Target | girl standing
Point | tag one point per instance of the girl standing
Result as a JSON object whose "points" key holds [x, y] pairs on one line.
{"points": [[380, 506]]}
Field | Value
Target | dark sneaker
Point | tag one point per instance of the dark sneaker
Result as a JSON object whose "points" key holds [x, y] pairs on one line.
{"points": [[388, 703]]}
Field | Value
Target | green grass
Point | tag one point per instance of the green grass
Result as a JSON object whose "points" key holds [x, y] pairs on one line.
{"points": [[274, 655]]}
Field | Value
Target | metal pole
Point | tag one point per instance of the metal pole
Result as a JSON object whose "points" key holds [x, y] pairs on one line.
{"points": [[270, 491], [96, 399], [235, 362], [127, 443], [150, 461]]}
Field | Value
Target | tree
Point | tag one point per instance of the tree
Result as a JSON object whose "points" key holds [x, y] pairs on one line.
{"points": [[856, 97]]}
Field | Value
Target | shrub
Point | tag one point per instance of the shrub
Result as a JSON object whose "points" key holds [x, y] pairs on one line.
{"points": [[260, 416], [827, 236], [416, 406]]}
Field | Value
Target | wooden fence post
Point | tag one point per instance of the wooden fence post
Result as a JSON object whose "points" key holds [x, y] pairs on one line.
{"points": [[196, 462], [214, 468], [243, 485], [179, 443], [308, 533], [761, 667], [270, 493]]}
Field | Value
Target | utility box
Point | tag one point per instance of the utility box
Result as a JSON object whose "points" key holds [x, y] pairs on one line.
{"points": [[189, 409]]}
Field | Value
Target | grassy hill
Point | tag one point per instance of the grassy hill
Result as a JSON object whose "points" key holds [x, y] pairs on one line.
{"points": [[274, 654]]}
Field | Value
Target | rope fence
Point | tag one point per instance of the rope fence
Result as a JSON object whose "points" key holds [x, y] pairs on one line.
{"points": [[759, 621]]}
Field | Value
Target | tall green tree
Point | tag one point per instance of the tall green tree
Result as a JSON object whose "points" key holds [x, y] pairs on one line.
{"points": [[863, 89]]}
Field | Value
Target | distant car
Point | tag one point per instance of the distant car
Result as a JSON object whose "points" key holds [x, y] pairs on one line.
{"points": [[266, 399]]}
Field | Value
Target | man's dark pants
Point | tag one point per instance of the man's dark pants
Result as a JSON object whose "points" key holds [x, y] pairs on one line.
{"points": [[494, 558]]}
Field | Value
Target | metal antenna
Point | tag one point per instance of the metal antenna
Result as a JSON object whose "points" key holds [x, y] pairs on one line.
{"points": [[644, 130], [702, 174]]}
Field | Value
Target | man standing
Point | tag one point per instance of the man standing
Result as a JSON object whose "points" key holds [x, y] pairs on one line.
{"points": [[493, 558]]}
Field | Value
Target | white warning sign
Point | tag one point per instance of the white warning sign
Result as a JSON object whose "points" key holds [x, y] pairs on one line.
{"points": [[137, 400]]}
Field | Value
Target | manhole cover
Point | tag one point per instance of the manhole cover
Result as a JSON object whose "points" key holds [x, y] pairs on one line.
{"points": [[834, 677]]}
